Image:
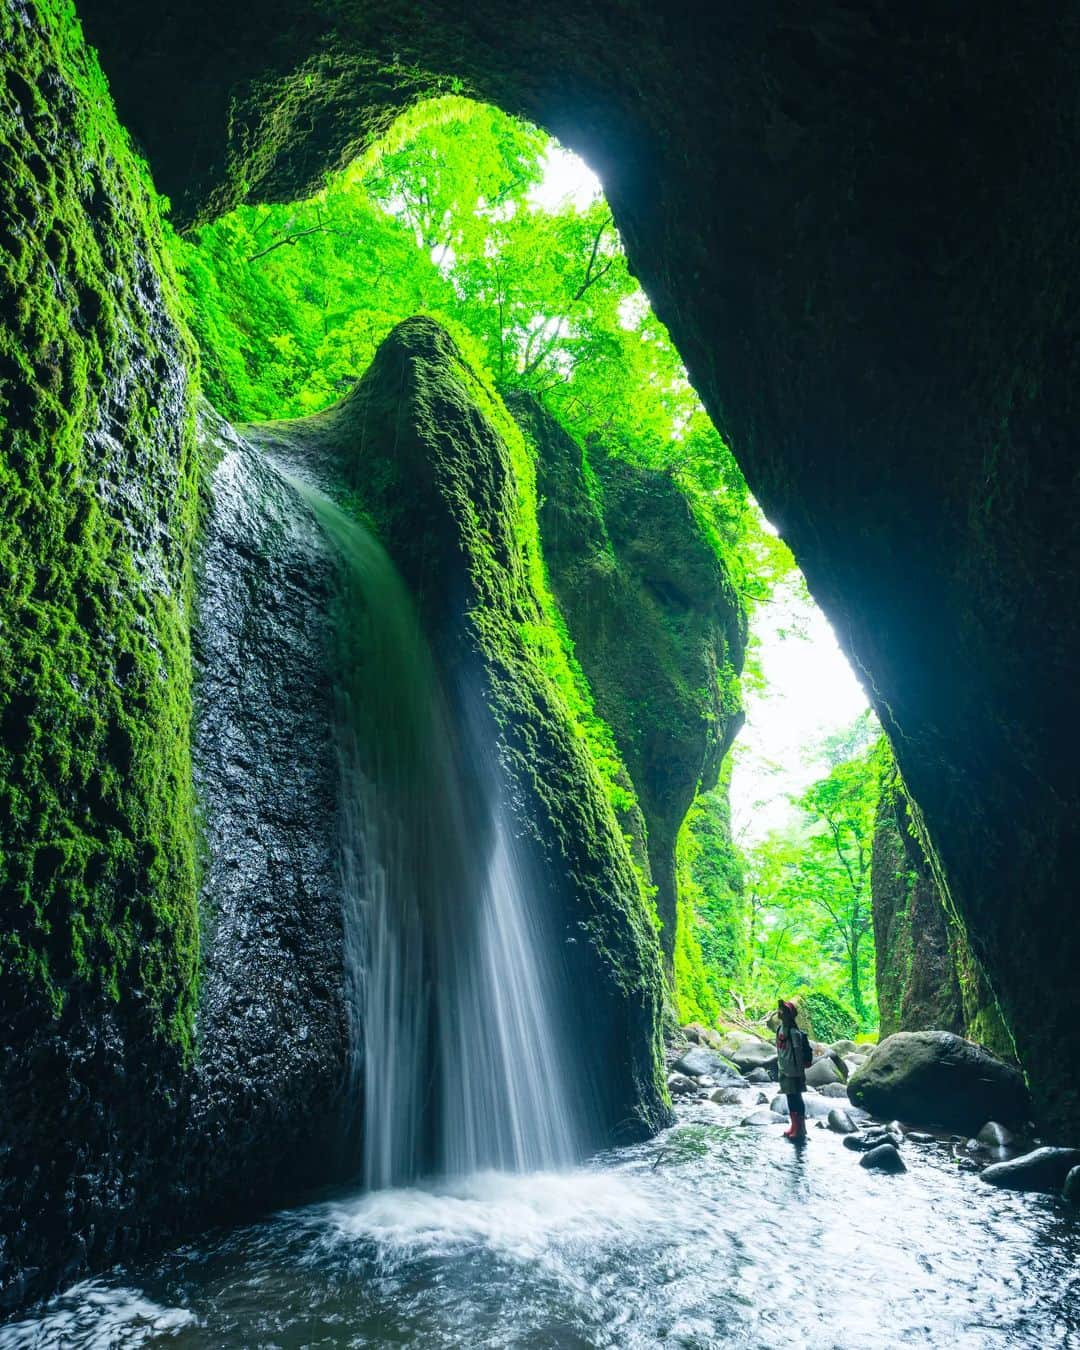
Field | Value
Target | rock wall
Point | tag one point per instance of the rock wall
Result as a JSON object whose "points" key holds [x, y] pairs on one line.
{"points": [[928, 978], [656, 625], [98, 953], [859, 225], [429, 452]]}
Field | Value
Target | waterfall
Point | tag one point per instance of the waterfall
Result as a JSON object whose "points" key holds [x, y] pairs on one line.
{"points": [[459, 1059]]}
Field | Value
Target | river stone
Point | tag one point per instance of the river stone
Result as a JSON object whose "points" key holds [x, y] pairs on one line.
{"points": [[884, 1158], [699, 1060], [680, 1085], [748, 1051], [824, 1071], [727, 1096], [1071, 1189], [994, 1135], [918, 1137], [840, 1122], [833, 1090], [763, 1116], [1043, 1170], [844, 1048], [861, 1143], [936, 1078], [701, 1035], [757, 1076]]}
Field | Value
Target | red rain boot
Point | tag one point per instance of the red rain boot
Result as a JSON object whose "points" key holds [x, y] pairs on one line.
{"points": [[797, 1130]]}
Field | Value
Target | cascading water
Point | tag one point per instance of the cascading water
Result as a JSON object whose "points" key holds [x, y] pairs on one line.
{"points": [[459, 1061]]}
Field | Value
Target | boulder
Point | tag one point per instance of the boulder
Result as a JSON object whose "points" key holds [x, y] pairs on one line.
{"points": [[763, 1116], [993, 1135], [815, 1105], [936, 1078], [826, 1070], [699, 1061], [1071, 1189], [883, 1158], [748, 1051], [726, 1096], [918, 1137], [834, 1090], [840, 1122], [679, 1085], [1043, 1170], [700, 1035], [844, 1048], [758, 1076]]}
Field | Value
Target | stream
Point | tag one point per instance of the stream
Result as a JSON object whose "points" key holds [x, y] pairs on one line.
{"points": [[711, 1234]]}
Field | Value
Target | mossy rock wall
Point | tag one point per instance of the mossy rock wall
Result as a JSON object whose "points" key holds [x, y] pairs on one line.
{"points": [[928, 978], [433, 458], [656, 624], [98, 504]]}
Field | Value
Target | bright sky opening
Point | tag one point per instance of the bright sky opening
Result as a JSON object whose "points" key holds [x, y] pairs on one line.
{"points": [[811, 692]]}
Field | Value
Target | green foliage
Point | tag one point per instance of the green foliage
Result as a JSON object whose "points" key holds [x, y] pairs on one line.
{"points": [[711, 957], [831, 1019], [289, 304], [97, 482], [809, 888]]}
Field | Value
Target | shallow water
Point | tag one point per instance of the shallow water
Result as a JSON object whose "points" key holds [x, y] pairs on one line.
{"points": [[709, 1235]]}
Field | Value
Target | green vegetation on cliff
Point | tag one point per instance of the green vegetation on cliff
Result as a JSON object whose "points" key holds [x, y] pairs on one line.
{"points": [[97, 482]]}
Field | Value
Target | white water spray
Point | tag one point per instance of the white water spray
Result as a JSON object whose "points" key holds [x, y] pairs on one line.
{"points": [[459, 1059]]}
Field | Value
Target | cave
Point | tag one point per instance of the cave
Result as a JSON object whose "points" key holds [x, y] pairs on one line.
{"points": [[859, 225]]}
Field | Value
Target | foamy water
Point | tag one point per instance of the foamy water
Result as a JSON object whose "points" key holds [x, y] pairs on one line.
{"points": [[711, 1235]]}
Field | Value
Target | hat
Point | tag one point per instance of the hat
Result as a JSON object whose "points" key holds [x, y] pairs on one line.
{"points": [[785, 1005]]}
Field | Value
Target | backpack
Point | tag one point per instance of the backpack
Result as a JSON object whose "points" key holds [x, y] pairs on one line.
{"points": [[806, 1050]]}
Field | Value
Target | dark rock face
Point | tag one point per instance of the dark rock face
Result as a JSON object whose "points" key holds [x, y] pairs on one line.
{"points": [[928, 977], [422, 443], [656, 623], [858, 226], [265, 1102], [917, 984], [935, 1078], [1046, 1169]]}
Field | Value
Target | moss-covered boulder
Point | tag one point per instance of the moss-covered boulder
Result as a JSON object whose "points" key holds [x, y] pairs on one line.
{"points": [[440, 467], [933, 1078], [656, 624]]}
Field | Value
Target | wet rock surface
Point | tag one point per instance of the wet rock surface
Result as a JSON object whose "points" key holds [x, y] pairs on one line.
{"points": [[265, 1116], [1044, 1169], [699, 1060], [883, 1158], [935, 1078]]}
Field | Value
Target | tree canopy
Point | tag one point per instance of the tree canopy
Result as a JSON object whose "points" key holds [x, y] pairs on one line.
{"points": [[442, 218]]}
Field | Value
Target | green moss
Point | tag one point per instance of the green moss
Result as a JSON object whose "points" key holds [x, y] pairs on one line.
{"points": [[97, 482], [827, 1018]]}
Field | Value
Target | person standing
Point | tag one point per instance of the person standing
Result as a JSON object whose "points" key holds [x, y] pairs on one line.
{"points": [[791, 1047]]}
